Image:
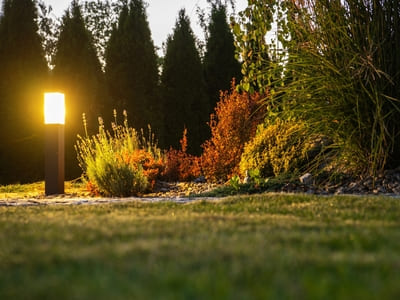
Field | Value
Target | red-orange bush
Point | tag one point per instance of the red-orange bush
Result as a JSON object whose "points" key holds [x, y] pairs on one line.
{"points": [[181, 166], [92, 189], [232, 125], [152, 167]]}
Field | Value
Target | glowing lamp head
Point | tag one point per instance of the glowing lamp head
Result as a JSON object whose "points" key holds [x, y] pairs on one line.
{"points": [[54, 108]]}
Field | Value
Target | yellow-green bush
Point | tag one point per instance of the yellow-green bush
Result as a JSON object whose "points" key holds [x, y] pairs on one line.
{"points": [[276, 149], [119, 163]]}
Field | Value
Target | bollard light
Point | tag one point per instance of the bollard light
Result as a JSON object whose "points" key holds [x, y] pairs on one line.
{"points": [[54, 108], [54, 119]]}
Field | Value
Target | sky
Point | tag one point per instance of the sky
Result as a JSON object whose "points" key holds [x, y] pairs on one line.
{"points": [[161, 15]]}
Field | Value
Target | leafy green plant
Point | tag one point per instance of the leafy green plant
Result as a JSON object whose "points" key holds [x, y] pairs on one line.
{"points": [[255, 176], [118, 163], [235, 182]]}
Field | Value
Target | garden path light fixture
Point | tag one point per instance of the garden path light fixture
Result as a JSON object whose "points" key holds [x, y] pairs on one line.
{"points": [[54, 119]]}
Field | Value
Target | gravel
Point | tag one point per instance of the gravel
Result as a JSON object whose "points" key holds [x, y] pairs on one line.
{"points": [[387, 184]]}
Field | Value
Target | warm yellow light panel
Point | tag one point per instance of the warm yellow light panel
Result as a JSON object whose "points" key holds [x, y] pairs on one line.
{"points": [[54, 108]]}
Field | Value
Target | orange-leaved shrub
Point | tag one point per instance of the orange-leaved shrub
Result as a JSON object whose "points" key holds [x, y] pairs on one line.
{"points": [[233, 123], [152, 166], [180, 165]]}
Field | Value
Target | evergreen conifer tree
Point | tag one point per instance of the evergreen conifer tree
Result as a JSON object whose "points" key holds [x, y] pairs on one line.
{"points": [[183, 88], [131, 68], [22, 75], [220, 64], [77, 73]]}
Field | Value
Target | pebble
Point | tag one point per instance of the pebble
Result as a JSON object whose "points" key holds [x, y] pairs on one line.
{"points": [[306, 179]]}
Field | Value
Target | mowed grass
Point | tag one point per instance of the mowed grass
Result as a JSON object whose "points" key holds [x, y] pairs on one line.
{"points": [[247, 247]]}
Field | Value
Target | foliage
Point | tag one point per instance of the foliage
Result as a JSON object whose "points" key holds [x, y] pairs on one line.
{"points": [[152, 166], [100, 18], [115, 178], [341, 75], [119, 163], [184, 97], [23, 76], [250, 31], [357, 75], [232, 125], [234, 182], [220, 64], [180, 165], [131, 67], [49, 30], [276, 149]]}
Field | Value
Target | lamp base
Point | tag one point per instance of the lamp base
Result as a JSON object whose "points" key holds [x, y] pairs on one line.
{"points": [[54, 159]]}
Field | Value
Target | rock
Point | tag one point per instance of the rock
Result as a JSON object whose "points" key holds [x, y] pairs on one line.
{"points": [[200, 179], [289, 187], [340, 191], [353, 186], [310, 192], [246, 178], [390, 172], [306, 179], [381, 189], [362, 189]]}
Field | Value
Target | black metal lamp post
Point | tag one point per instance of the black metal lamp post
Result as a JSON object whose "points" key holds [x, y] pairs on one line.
{"points": [[54, 119]]}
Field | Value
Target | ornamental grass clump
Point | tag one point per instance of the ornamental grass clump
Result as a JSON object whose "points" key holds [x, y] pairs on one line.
{"points": [[118, 163], [337, 69], [341, 59]]}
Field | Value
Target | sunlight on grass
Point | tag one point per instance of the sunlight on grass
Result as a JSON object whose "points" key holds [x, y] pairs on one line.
{"points": [[37, 189]]}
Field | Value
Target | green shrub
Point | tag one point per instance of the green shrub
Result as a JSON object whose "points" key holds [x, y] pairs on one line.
{"points": [[276, 149], [118, 163], [113, 177]]}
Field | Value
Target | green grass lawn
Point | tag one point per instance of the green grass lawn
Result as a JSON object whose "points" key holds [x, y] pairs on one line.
{"points": [[258, 247]]}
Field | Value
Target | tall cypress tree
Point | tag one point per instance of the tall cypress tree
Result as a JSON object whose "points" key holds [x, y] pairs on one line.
{"points": [[131, 68], [22, 74], [77, 72], [220, 64], [183, 88]]}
